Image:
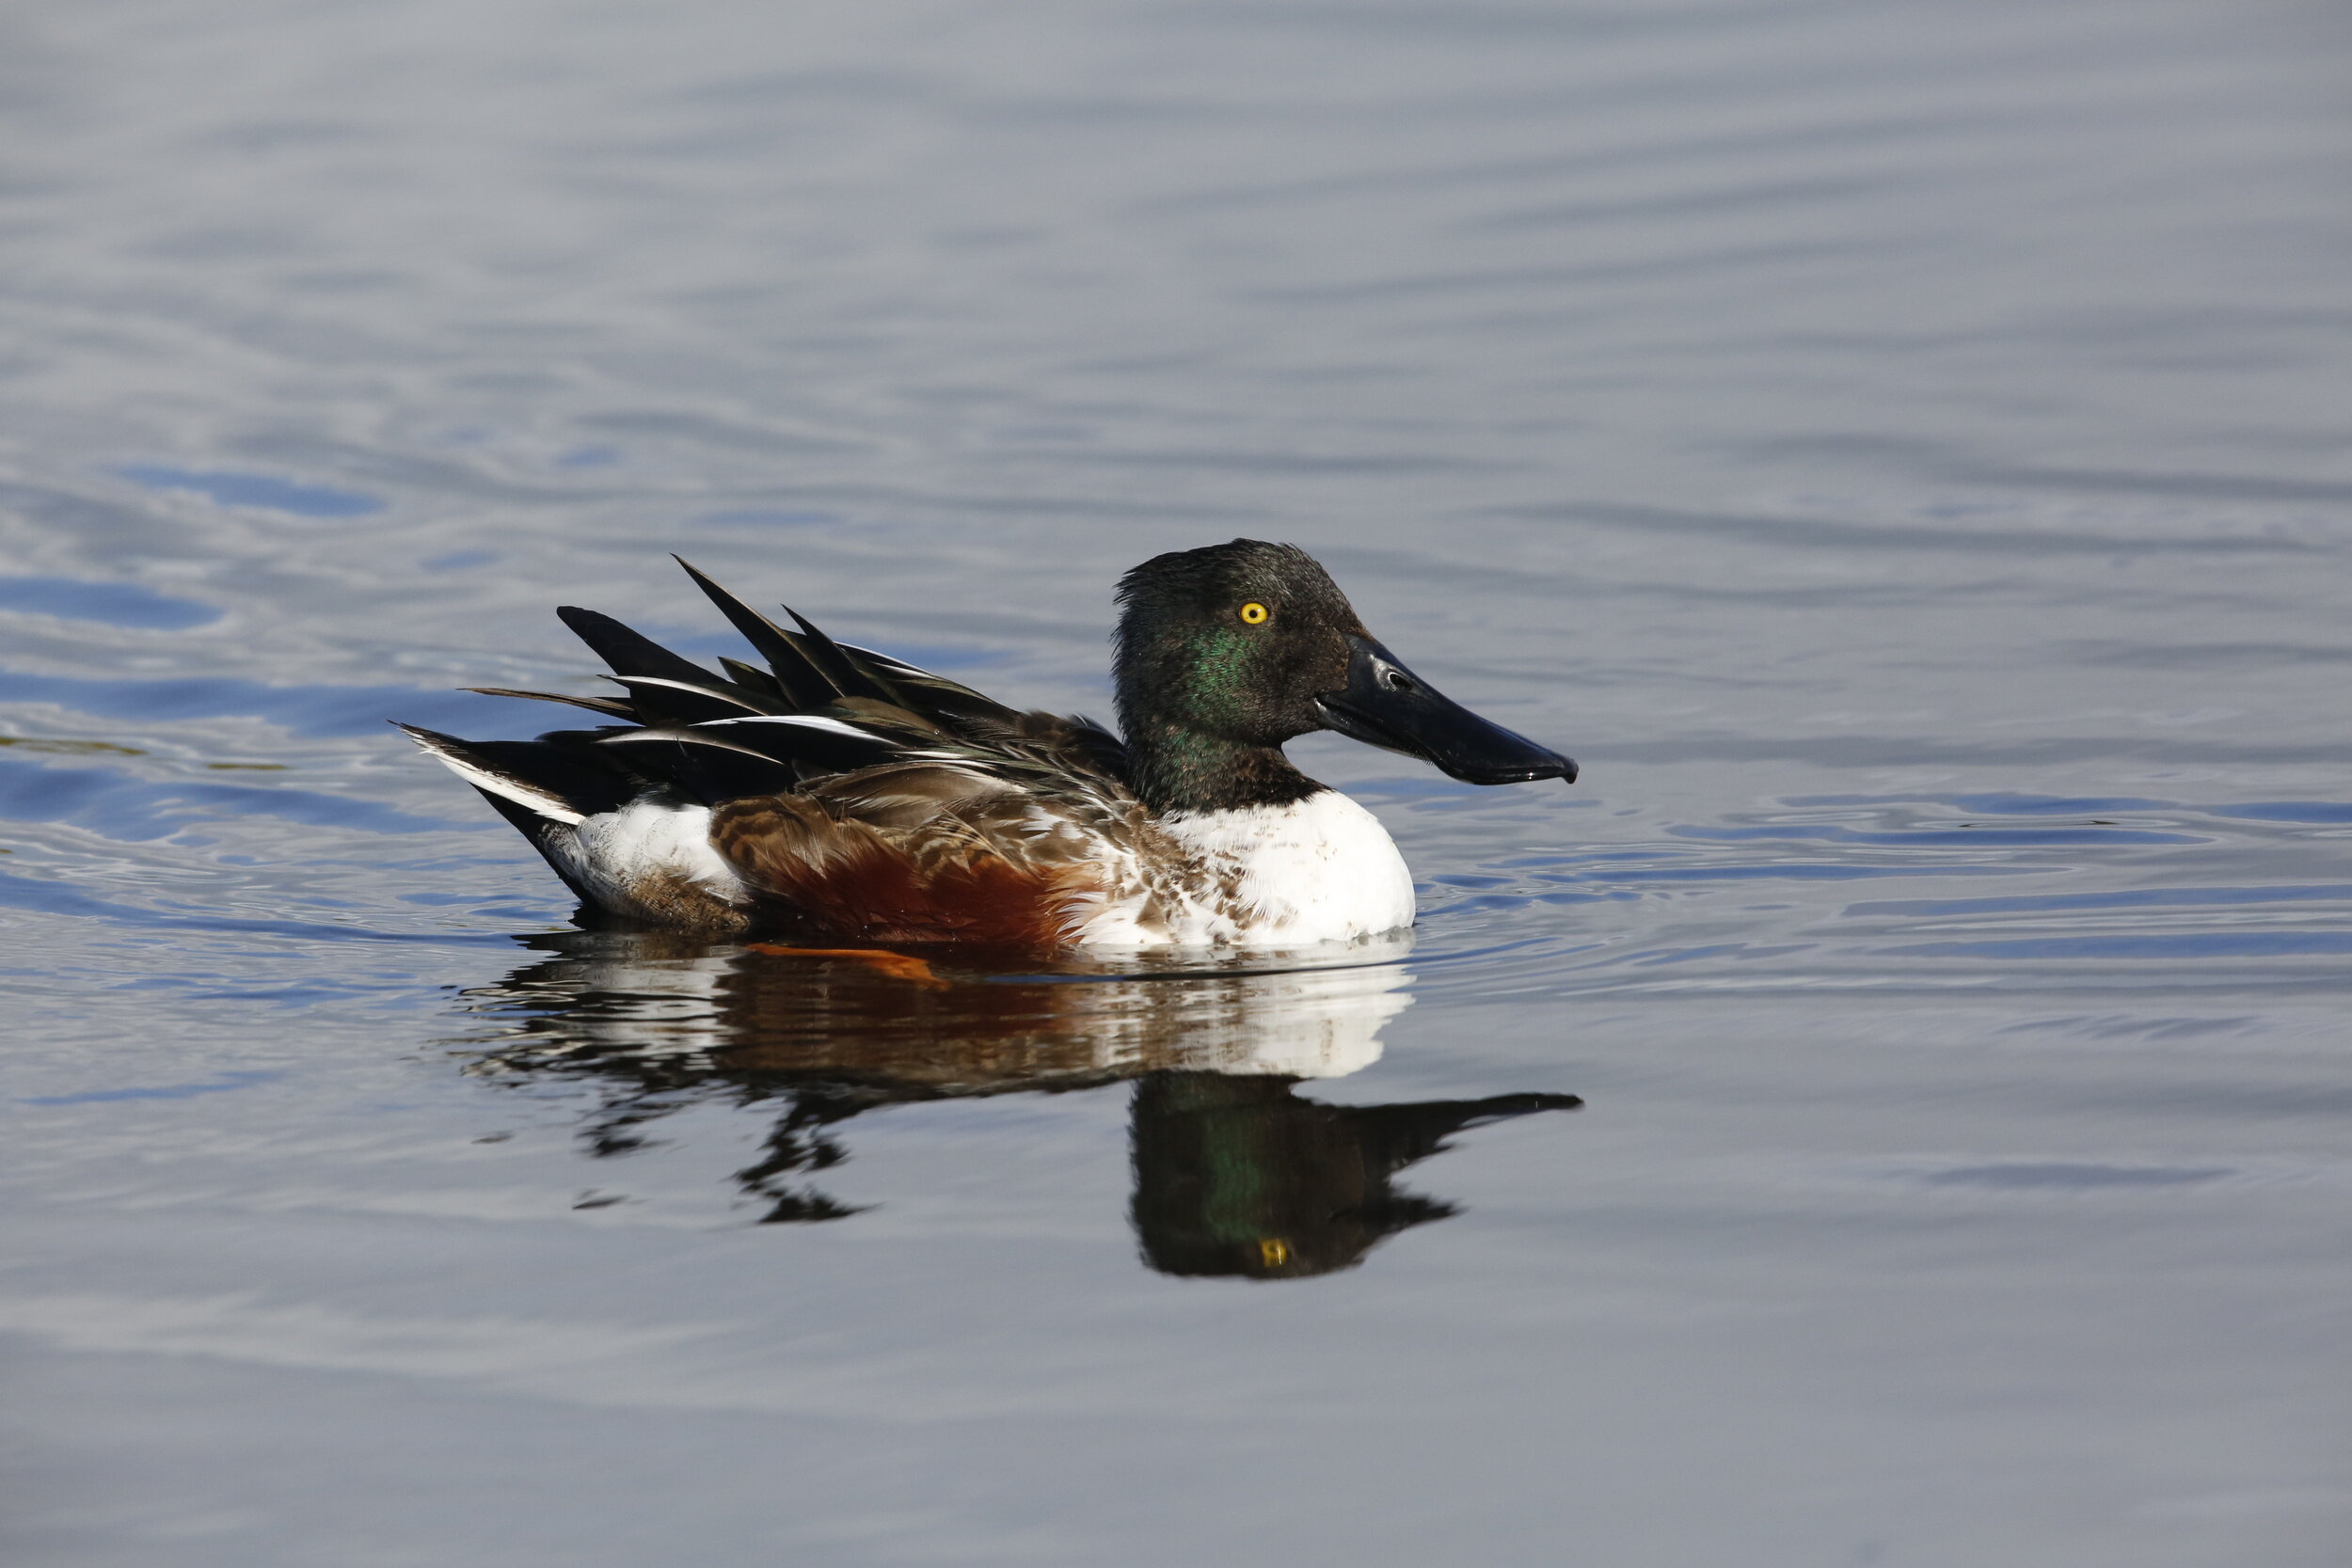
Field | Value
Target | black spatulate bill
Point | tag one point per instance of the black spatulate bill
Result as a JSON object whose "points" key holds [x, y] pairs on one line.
{"points": [[1385, 705]]}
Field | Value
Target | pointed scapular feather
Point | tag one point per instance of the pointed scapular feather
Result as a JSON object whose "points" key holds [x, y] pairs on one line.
{"points": [[819, 722], [626, 652], [681, 734], [810, 740], [932, 695], [827, 655], [668, 702], [872, 711], [611, 706], [704, 766], [899, 669], [756, 679], [804, 683], [588, 744]]}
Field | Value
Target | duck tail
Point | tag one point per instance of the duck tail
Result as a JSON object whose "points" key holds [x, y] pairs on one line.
{"points": [[533, 783]]}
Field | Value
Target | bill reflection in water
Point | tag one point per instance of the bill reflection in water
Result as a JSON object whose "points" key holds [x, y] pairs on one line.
{"points": [[1236, 1173]]}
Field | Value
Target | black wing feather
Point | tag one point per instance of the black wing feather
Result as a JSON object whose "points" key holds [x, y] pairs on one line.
{"points": [[703, 765], [628, 652], [612, 706], [804, 683], [932, 696], [667, 701], [816, 751], [827, 655], [701, 735], [751, 677]]}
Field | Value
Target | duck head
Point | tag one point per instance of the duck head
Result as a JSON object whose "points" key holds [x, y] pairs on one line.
{"points": [[1227, 652]]}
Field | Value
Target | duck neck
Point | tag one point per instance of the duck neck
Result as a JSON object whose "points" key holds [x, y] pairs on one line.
{"points": [[1178, 770]]}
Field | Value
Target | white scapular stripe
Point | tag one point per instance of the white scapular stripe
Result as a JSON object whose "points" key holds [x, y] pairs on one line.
{"points": [[707, 689], [805, 721]]}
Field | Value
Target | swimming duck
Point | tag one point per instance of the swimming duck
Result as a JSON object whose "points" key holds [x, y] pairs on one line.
{"points": [[841, 795]]}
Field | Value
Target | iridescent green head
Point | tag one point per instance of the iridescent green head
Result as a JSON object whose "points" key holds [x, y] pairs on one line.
{"points": [[1228, 651]]}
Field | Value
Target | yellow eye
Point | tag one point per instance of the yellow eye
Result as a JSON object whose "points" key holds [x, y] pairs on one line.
{"points": [[1253, 613]]}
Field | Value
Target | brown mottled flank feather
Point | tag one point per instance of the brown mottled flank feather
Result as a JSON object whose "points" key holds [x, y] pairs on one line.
{"points": [[923, 851]]}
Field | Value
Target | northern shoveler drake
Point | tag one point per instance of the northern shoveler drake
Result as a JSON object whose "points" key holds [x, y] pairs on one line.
{"points": [[841, 795]]}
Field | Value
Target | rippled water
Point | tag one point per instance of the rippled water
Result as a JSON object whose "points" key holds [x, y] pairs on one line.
{"points": [[1897, 448]]}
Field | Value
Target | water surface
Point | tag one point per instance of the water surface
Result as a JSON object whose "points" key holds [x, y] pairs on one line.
{"points": [[1891, 1111]]}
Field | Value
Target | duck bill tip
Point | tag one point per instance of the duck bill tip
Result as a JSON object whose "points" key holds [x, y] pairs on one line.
{"points": [[1385, 705], [1548, 764]]}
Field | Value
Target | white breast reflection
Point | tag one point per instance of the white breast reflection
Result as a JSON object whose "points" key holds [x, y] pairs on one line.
{"points": [[1236, 1173]]}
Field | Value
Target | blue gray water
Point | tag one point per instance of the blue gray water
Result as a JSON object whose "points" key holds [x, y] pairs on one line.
{"points": [[1897, 447]]}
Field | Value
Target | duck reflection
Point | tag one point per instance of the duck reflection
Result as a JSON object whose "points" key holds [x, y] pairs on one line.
{"points": [[1236, 1173]]}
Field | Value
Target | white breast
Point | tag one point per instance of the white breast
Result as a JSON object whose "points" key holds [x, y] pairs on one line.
{"points": [[1320, 870]]}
